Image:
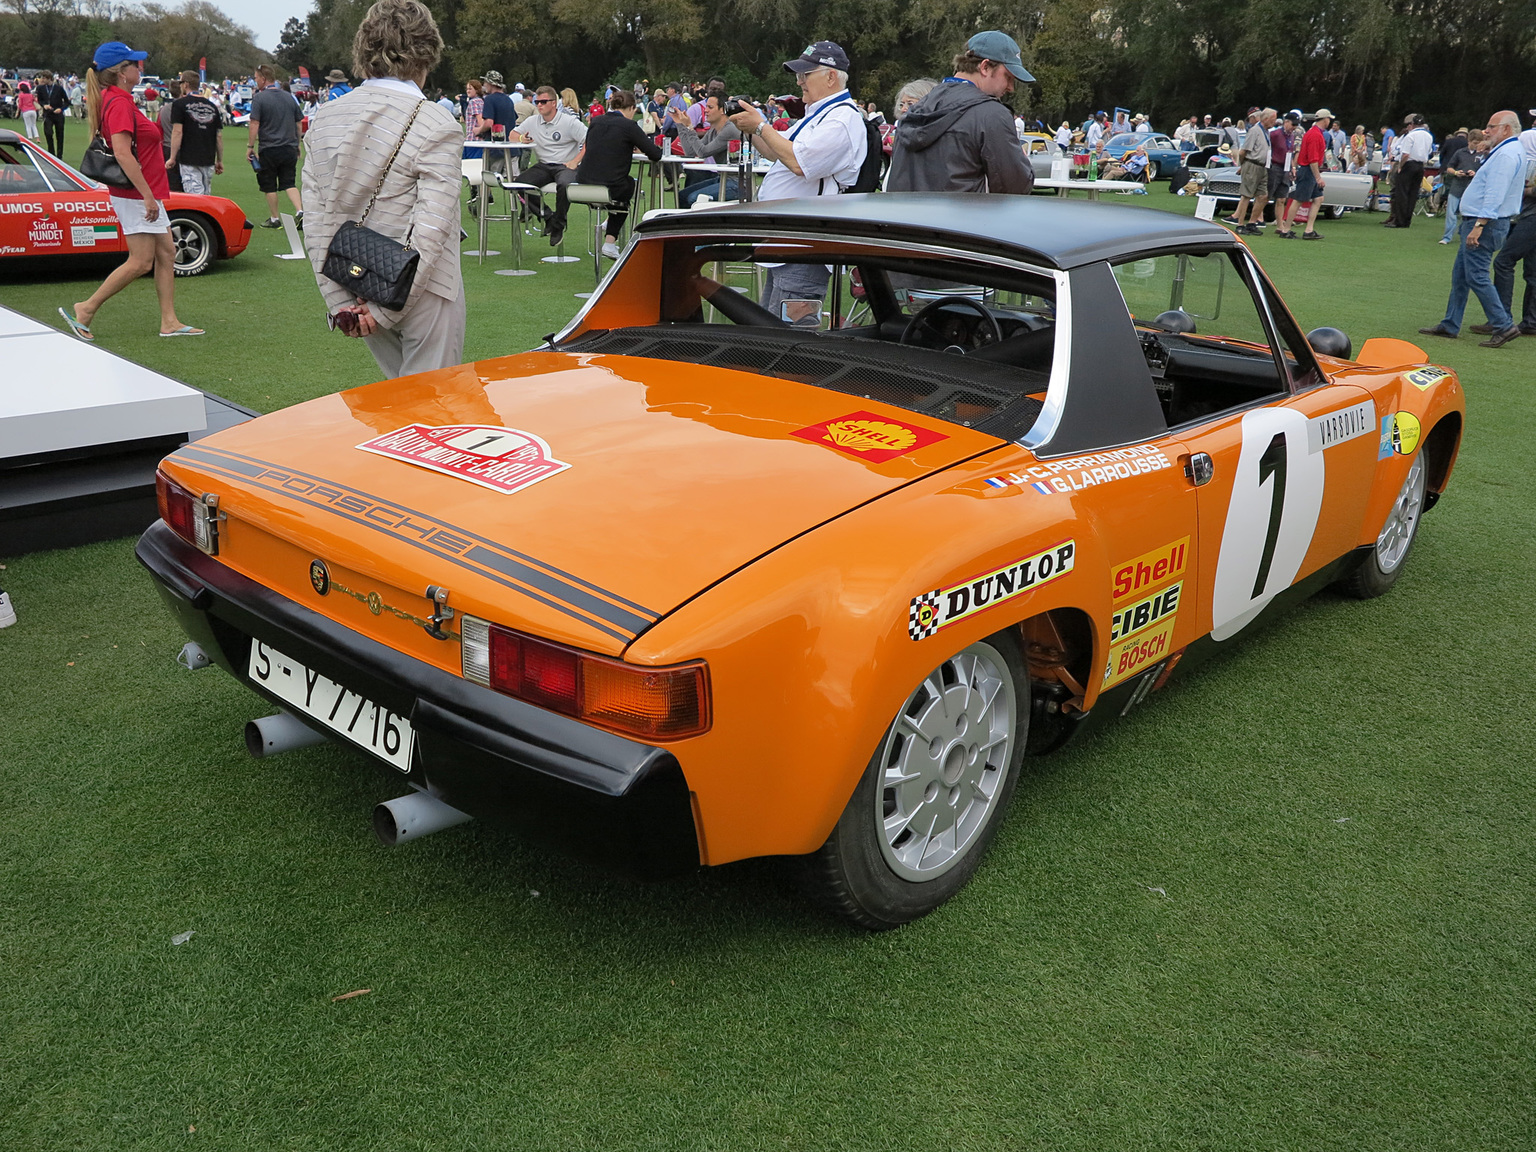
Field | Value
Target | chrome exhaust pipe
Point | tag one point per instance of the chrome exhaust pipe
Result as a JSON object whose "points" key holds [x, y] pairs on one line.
{"points": [[414, 816], [281, 732]]}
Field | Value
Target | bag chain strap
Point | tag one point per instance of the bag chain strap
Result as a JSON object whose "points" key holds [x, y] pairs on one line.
{"points": [[389, 164]]}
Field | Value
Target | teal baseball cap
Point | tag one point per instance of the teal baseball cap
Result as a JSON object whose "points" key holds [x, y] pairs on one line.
{"points": [[113, 53], [1002, 48]]}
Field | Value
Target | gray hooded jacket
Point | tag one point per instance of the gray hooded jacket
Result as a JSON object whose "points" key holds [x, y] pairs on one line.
{"points": [[959, 139]]}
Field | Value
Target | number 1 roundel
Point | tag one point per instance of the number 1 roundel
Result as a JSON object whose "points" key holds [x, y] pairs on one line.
{"points": [[1277, 496]]}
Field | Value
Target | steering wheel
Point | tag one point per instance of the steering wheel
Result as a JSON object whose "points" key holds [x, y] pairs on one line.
{"points": [[922, 319]]}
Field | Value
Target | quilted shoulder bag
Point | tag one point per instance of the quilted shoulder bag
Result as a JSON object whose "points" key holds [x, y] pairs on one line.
{"points": [[367, 263]]}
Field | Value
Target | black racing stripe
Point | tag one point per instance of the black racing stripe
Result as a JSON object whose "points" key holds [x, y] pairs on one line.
{"points": [[651, 613], [625, 637], [519, 571]]}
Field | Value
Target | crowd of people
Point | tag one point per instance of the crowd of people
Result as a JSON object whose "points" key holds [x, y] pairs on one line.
{"points": [[954, 134]]}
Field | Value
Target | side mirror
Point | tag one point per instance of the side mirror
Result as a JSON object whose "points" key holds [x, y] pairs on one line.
{"points": [[1330, 342], [801, 313]]}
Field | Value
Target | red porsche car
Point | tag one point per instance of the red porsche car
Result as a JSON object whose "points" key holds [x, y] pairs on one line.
{"points": [[47, 209]]}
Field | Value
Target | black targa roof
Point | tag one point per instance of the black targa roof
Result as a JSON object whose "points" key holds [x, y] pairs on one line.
{"points": [[1055, 232]]}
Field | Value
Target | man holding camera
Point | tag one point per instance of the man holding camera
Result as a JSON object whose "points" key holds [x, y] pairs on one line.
{"points": [[712, 144], [960, 137], [820, 156]]}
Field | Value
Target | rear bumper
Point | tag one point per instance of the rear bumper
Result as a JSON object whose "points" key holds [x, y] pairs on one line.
{"points": [[590, 792]]}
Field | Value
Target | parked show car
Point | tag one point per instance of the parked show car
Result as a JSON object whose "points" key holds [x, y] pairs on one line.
{"points": [[1042, 151], [1165, 155], [696, 581], [50, 211], [1341, 190]]}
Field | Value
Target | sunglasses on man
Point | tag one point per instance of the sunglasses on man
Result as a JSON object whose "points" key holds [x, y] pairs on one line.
{"points": [[544, 101]]}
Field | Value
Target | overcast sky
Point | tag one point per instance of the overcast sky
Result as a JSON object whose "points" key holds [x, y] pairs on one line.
{"points": [[264, 17]]}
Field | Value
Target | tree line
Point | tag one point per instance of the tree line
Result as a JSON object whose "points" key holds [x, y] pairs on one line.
{"points": [[1369, 60], [61, 35]]}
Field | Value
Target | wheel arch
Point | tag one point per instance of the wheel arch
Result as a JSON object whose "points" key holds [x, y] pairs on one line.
{"points": [[1441, 447]]}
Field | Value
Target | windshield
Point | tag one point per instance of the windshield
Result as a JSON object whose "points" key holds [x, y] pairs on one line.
{"points": [[939, 334]]}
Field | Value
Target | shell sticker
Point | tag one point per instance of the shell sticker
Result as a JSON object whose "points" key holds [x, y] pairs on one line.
{"points": [[1399, 434], [870, 436]]}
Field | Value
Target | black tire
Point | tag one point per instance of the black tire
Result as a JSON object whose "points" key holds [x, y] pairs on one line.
{"points": [[197, 245], [852, 874], [1335, 211], [1381, 567]]}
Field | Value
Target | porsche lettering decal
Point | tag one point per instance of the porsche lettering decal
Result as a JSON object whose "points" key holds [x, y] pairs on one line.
{"points": [[570, 595], [870, 436], [933, 611], [504, 460]]}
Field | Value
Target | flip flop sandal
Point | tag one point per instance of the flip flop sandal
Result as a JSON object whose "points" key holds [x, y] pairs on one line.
{"points": [[76, 327], [185, 330]]}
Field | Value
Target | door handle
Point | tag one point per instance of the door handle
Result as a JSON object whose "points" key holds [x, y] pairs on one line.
{"points": [[1199, 468]]}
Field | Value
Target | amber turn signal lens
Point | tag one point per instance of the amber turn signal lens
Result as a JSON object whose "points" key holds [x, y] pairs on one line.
{"points": [[655, 703]]}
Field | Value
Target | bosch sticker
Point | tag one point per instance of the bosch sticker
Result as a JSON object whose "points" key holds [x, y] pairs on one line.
{"points": [[932, 611], [501, 459], [870, 436]]}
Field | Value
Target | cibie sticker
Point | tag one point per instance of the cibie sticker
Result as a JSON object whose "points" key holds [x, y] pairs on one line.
{"points": [[1422, 378], [870, 436], [501, 459], [942, 607], [1399, 434]]}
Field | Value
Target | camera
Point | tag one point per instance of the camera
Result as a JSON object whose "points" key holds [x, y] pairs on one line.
{"points": [[736, 104]]}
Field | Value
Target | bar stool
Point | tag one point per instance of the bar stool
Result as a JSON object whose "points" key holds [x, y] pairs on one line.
{"points": [[515, 190], [480, 180], [597, 200], [559, 257]]}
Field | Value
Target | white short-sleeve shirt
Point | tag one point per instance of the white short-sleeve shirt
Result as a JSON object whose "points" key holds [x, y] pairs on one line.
{"points": [[830, 144]]}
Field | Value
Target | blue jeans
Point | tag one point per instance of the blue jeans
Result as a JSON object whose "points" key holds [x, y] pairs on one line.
{"points": [[1452, 207], [710, 188], [1470, 274]]}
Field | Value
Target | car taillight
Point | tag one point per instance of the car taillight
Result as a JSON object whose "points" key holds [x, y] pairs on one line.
{"points": [[657, 703], [178, 507], [194, 518]]}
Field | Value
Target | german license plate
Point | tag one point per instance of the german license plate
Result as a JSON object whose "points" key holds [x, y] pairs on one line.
{"points": [[370, 726]]}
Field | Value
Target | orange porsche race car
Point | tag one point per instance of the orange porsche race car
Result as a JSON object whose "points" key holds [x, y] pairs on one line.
{"points": [[48, 211], [701, 580]]}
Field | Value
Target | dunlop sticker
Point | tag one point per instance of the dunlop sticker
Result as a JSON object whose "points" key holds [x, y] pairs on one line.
{"points": [[932, 611]]}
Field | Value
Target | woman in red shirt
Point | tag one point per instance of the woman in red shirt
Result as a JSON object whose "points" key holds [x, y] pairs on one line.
{"points": [[111, 113]]}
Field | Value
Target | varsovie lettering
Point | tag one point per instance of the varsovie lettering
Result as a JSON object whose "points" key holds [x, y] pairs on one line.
{"points": [[944, 606]]}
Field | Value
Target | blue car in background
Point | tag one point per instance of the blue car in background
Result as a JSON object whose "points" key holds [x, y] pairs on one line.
{"points": [[1164, 154]]}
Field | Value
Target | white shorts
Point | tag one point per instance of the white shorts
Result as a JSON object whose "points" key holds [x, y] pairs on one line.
{"points": [[130, 214]]}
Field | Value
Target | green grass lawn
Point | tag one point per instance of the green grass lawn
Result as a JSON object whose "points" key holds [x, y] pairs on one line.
{"points": [[1338, 814]]}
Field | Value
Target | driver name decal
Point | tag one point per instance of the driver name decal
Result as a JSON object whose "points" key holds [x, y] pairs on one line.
{"points": [[502, 459], [933, 611], [1078, 472], [870, 436]]}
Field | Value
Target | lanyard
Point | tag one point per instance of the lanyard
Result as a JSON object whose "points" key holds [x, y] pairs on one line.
{"points": [[843, 96]]}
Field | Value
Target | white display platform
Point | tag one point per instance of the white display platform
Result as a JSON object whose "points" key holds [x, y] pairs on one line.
{"points": [[58, 393]]}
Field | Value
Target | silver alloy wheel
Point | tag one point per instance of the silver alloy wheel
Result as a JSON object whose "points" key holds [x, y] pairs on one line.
{"points": [[192, 246], [1402, 520], [944, 763]]}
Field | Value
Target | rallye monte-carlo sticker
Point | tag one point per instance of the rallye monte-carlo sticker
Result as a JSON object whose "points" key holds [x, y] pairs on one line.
{"points": [[870, 436], [501, 459], [931, 611], [1146, 605]]}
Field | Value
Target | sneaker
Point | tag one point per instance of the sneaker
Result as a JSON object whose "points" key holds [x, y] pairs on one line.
{"points": [[7, 613], [274, 222], [611, 250], [1311, 235], [1249, 230], [1233, 220], [298, 220]]}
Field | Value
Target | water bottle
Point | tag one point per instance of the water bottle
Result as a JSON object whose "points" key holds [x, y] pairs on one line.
{"points": [[1093, 167]]}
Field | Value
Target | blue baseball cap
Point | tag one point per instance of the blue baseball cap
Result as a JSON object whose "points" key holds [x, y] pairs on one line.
{"points": [[113, 53], [822, 54], [1002, 48]]}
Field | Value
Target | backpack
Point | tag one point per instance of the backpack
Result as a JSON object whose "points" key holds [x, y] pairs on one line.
{"points": [[874, 158]]}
